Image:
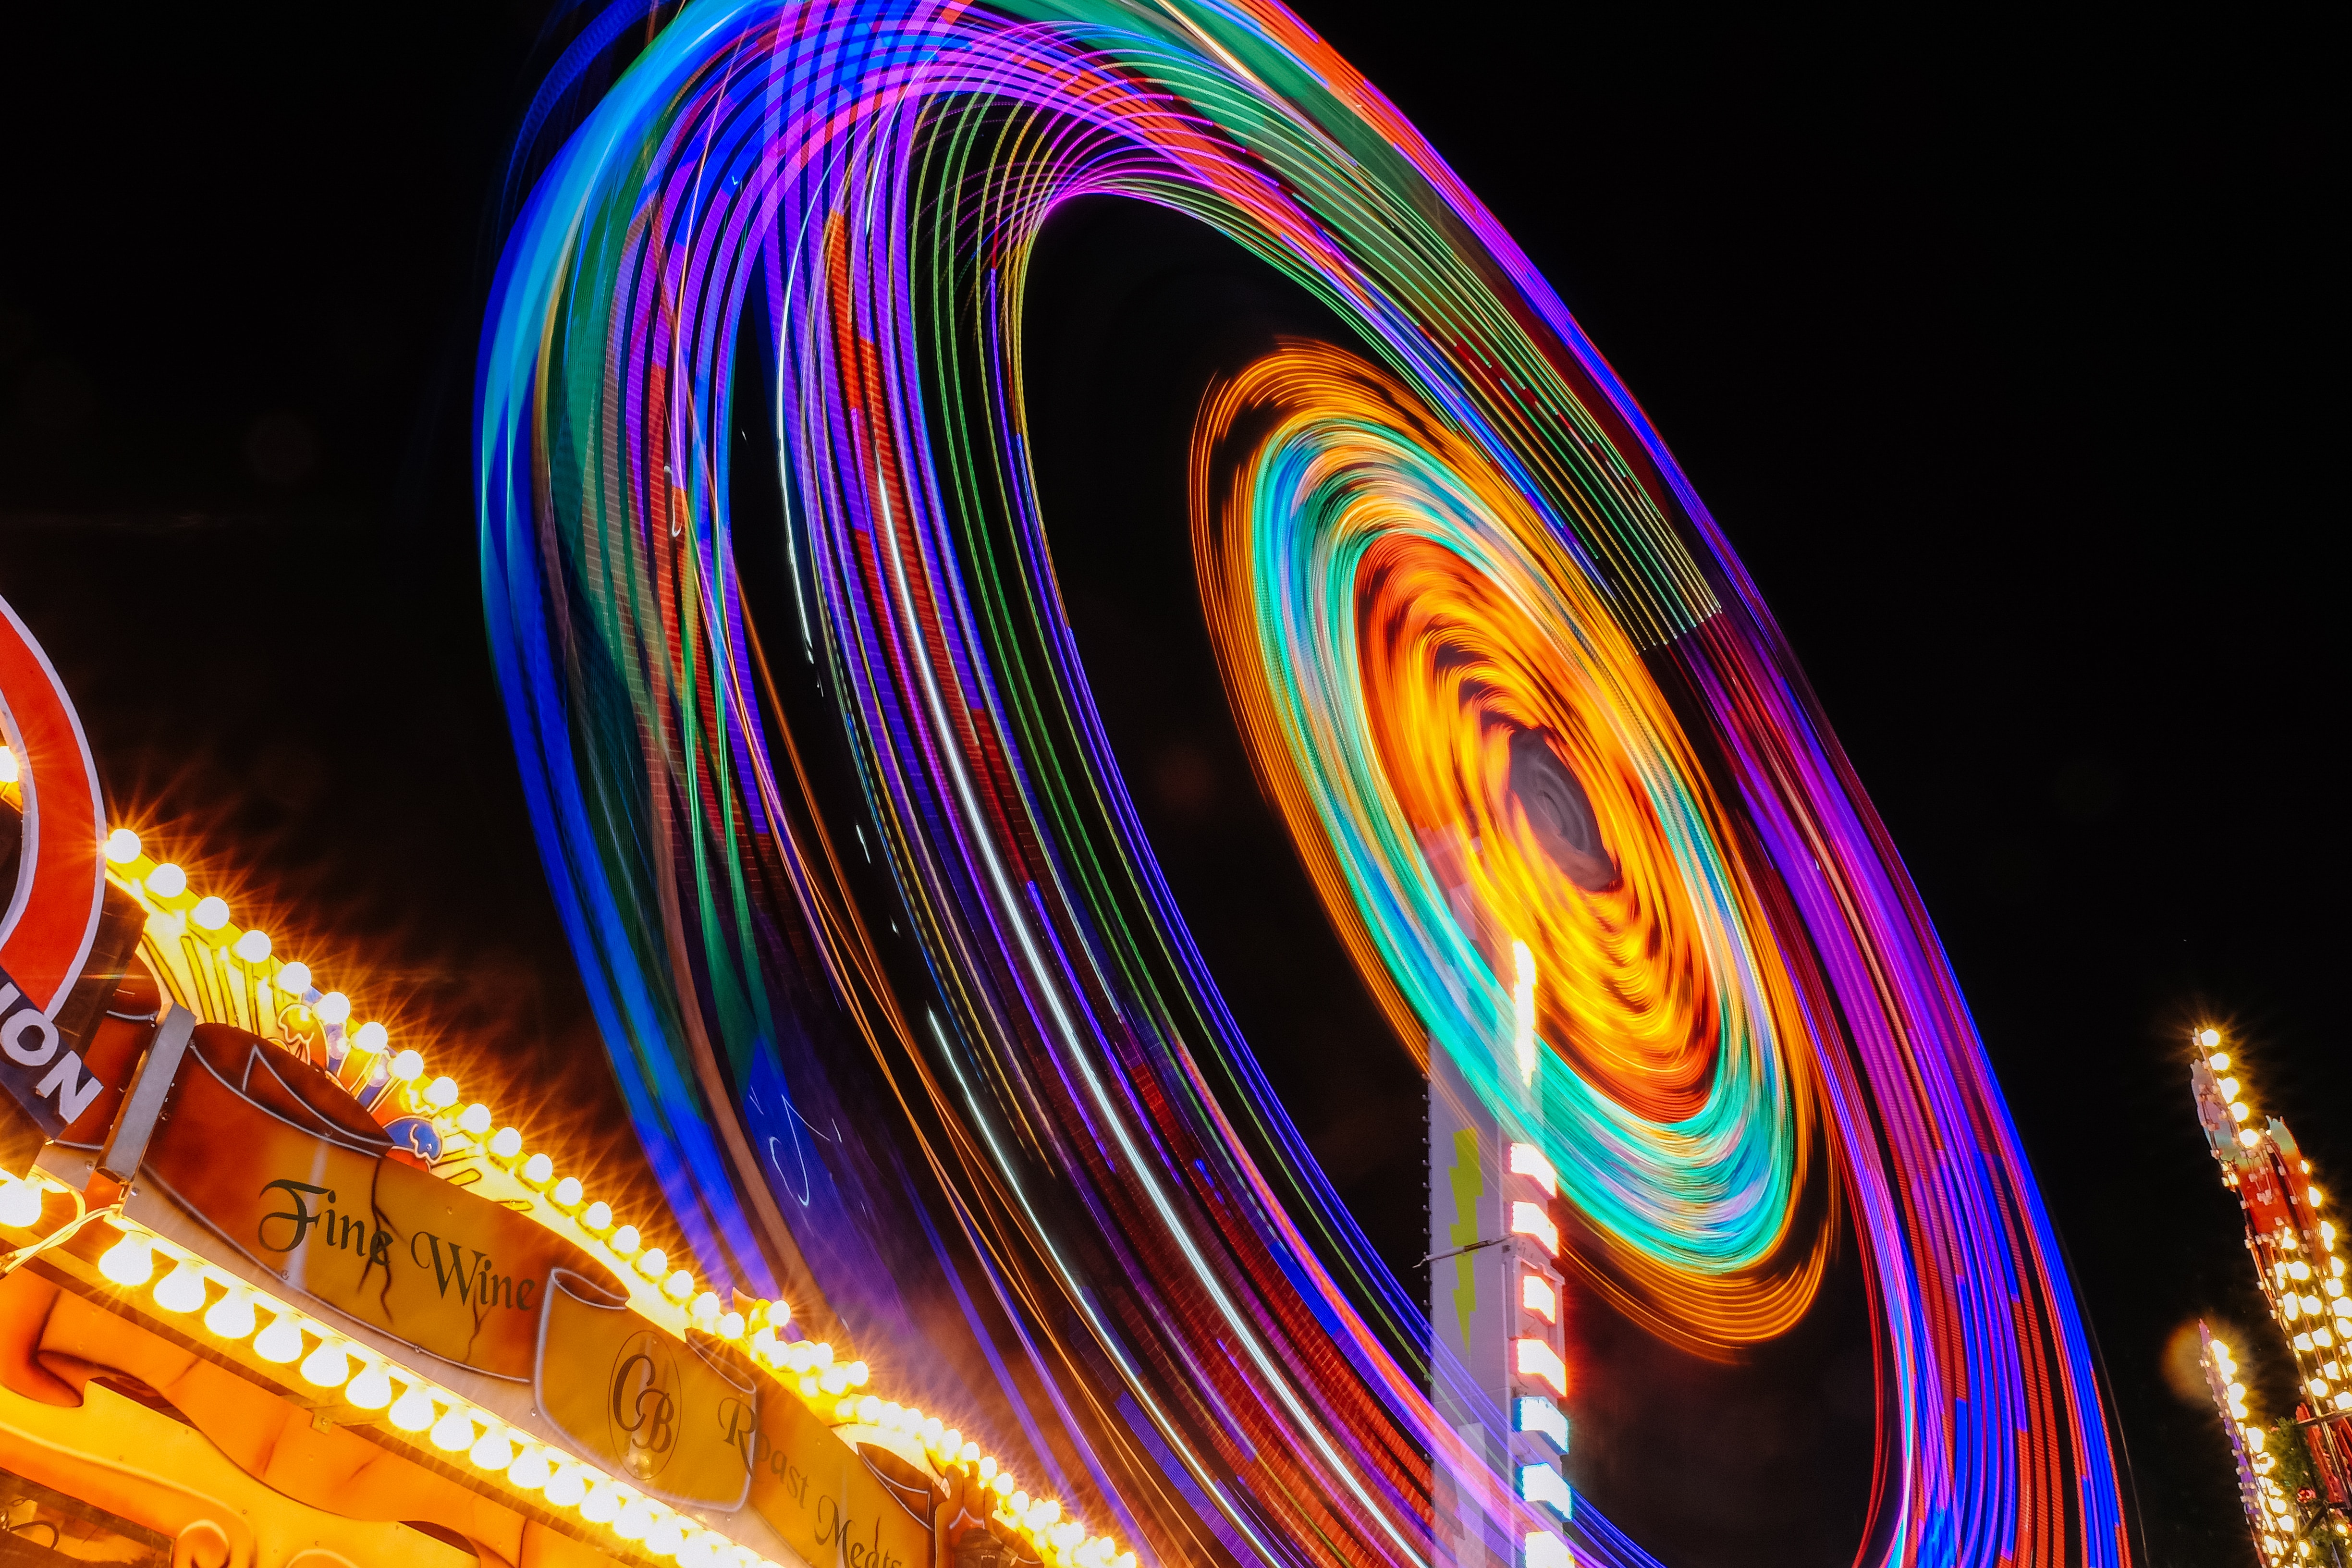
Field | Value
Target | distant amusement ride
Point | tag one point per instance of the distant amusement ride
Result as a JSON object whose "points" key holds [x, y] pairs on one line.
{"points": [[981, 1236]]}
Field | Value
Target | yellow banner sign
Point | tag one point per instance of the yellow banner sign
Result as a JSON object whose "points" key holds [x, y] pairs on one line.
{"points": [[834, 1504], [295, 1176], [313, 1198], [680, 1423]]}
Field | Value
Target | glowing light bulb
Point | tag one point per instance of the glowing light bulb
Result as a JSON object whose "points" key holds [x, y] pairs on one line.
{"points": [[372, 1389], [705, 1308], [635, 1520], [253, 947], [122, 847], [405, 1068], [475, 1121], [327, 1366], [2219, 1061], [869, 1411], [128, 1262], [680, 1286], [281, 1341], [9, 770], [539, 1170], [454, 1433], [506, 1142], [2209, 1038], [665, 1537], [1529, 1219], [334, 1007], [441, 1093], [232, 1316], [1523, 1011], [371, 1037], [729, 1325], [653, 1264], [1529, 1161], [598, 1219], [568, 1487], [859, 1375], [491, 1451], [182, 1290], [568, 1192], [167, 881], [210, 914], [294, 979], [601, 1505], [413, 1411], [530, 1469], [20, 1203]]}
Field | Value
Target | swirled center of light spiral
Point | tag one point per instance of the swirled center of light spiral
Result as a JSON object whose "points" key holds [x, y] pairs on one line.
{"points": [[1473, 756]]}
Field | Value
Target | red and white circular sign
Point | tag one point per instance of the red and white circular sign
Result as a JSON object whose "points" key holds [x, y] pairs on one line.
{"points": [[52, 915]]}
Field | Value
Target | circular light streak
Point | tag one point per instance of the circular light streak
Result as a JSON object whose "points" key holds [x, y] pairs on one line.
{"points": [[1560, 782]]}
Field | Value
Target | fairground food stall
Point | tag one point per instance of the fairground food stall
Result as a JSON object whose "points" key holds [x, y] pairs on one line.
{"points": [[278, 1290]]}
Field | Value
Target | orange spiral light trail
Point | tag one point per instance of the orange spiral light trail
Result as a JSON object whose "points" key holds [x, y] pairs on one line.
{"points": [[1473, 760]]}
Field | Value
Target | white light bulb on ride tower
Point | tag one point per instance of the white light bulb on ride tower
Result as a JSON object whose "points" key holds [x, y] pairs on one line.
{"points": [[1523, 1011]]}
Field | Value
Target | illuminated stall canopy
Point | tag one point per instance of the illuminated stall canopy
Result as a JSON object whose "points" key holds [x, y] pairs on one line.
{"points": [[341, 1296]]}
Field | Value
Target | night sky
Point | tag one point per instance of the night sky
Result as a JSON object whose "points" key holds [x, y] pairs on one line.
{"points": [[1999, 355]]}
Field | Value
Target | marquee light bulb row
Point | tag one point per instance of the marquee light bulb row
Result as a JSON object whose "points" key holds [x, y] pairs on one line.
{"points": [[2319, 1328], [806, 1367], [165, 887], [2280, 1529], [230, 1312], [1540, 1484]]}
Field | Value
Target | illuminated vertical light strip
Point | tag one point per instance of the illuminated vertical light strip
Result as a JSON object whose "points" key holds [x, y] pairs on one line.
{"points": [[1523, 1012], [2271, 1514], [2302, 1281]]}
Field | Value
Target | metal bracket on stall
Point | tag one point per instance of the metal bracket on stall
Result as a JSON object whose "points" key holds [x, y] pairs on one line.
{"points": [[142, 1103]]}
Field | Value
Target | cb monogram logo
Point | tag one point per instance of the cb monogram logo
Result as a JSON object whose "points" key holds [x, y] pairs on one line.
{"points": [[644, 1405]]}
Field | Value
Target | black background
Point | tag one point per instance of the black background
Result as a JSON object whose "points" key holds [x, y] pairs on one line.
{"points": [[2002, 354]]}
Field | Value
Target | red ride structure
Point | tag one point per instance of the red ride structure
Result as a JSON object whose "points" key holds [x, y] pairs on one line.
{"points": [[2295, 1480]]}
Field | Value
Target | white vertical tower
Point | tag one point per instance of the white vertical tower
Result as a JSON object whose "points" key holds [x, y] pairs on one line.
{"points": [[1497, 1360]]}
